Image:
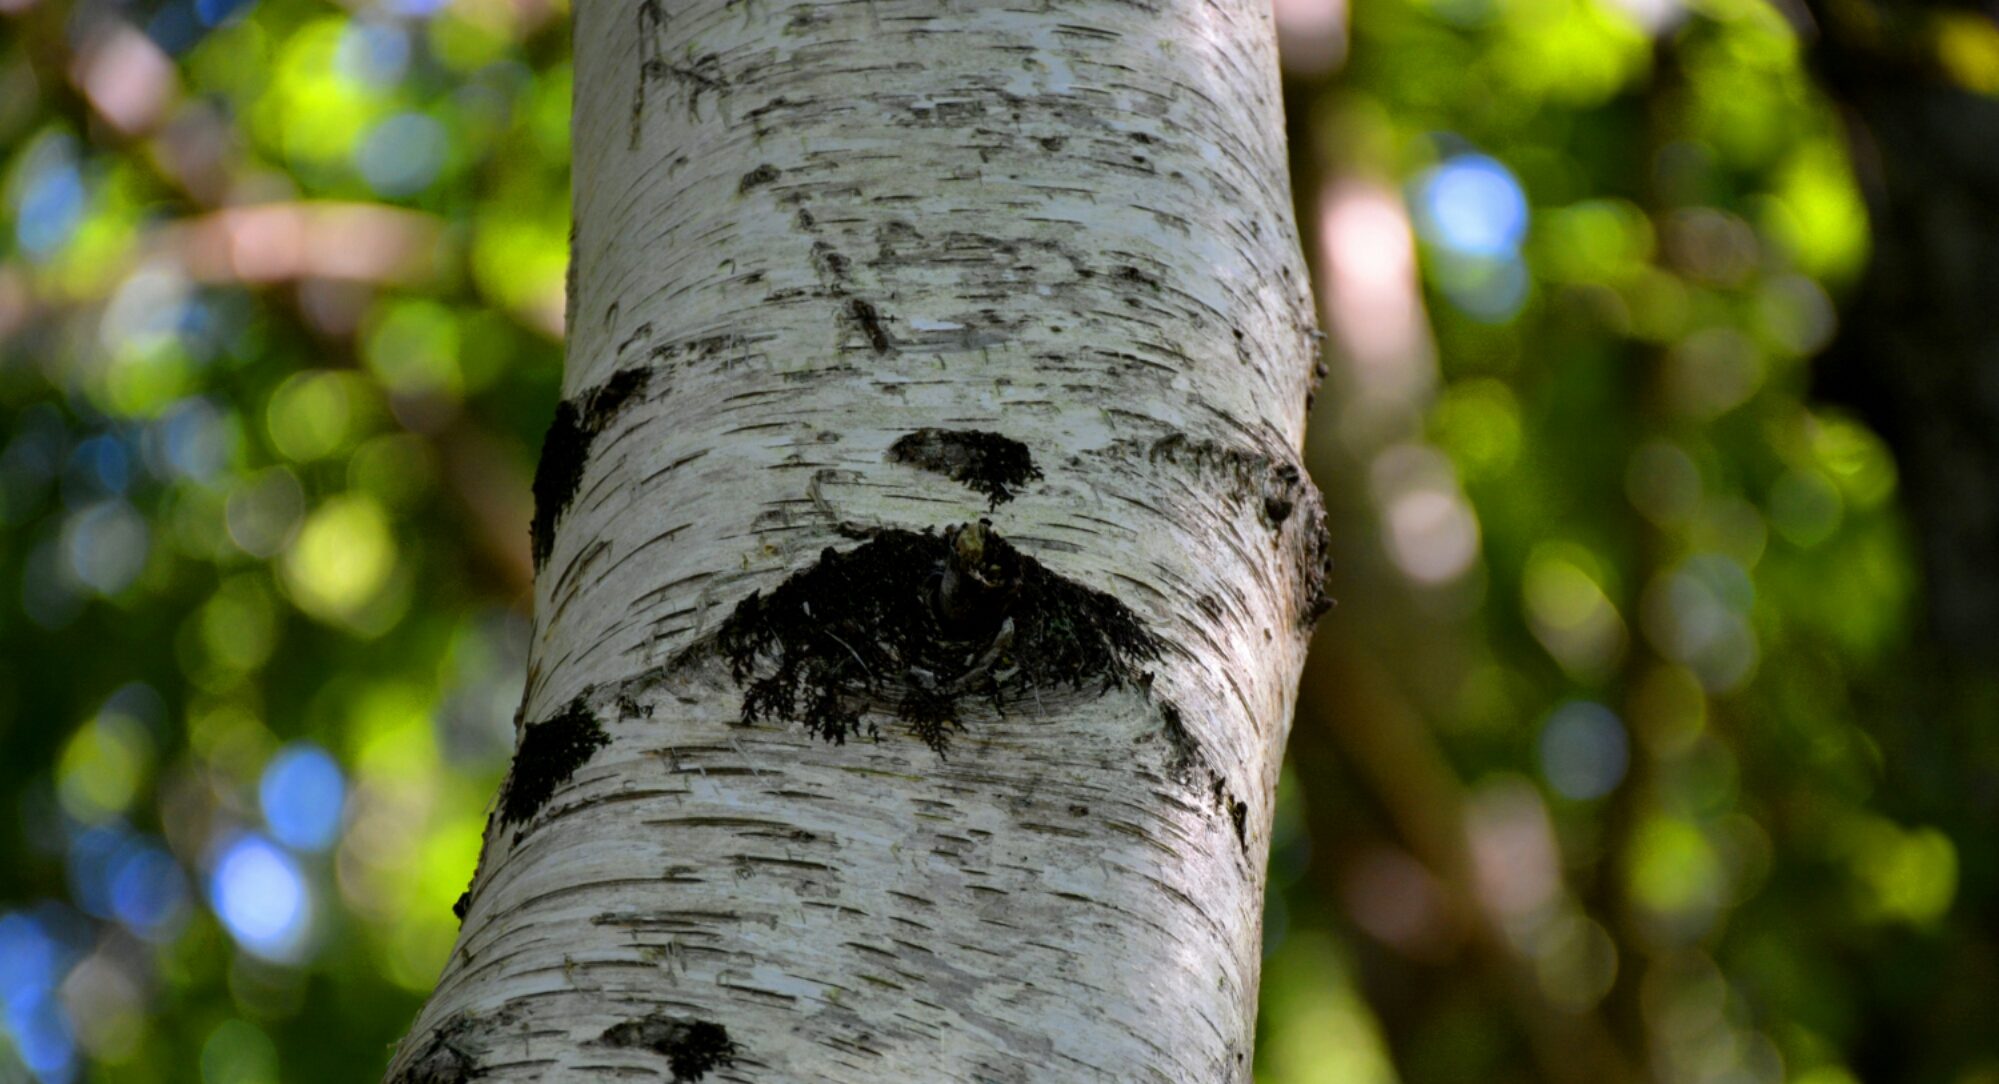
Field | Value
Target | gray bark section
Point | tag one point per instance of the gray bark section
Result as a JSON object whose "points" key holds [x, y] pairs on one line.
{"points": [[805, 232]]}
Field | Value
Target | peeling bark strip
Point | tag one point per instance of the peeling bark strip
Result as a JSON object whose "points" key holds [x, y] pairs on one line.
{"points": [[1275, 487], [692, 1048], [985, 462], [831, 229], [549, 755], [911, 623], [565, 451]]}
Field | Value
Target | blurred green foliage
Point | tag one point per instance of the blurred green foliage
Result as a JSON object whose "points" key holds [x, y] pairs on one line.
{"points": [[281, 298], [1615, 762], [1625, 756]]}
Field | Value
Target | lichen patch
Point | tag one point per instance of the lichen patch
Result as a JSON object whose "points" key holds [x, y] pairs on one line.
{"points": [[551, 751], [692, 1048], [910, 624], [566, 450], [984, 462]]}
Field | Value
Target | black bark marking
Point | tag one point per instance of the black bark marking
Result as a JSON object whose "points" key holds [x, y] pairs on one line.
{"points": [[651, 21], [566, 450], [450, 1054], [871, 324], [1188, 759], [762, 175], [1186, 751], [1236, 809], [549, 755], [641, 333], [726, 348], [557, 475], [806, 19], [1319, 368], [1276, 509], [1276, 484], [692, 1048], [702, 75], [1136, 277], [985, 462], [1316, 565], [909, 624], [829, 264]]}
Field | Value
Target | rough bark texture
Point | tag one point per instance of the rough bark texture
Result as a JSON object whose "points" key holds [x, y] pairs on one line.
{"points": [[847, 784]]}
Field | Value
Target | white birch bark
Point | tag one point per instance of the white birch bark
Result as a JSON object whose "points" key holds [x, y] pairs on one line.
{"points": [[803, 231]]}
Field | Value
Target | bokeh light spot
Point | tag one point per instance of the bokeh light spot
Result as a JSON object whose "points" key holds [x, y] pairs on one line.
{"points": [[1478, 423], [148, 891], [1491, 291], [376, 53], [342, 557], [262, 898], [1584, 751], [402, 155], [103, 766], [1471, 205], [314, 414], [1675, 873], [239, 624], [216, 12], [49, 200], [263, 511], [105, 546], [1805, 507], [1698, 615], [1904, 875], [412, 347], [32, 963], [238, 1052], [1855, 458], [103, 463], [189, 440], [1570, 611], [302, 794], [1575, 961]]}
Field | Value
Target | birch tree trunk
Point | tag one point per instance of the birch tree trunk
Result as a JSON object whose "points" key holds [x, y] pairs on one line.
{"points": [[924, 560]]}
